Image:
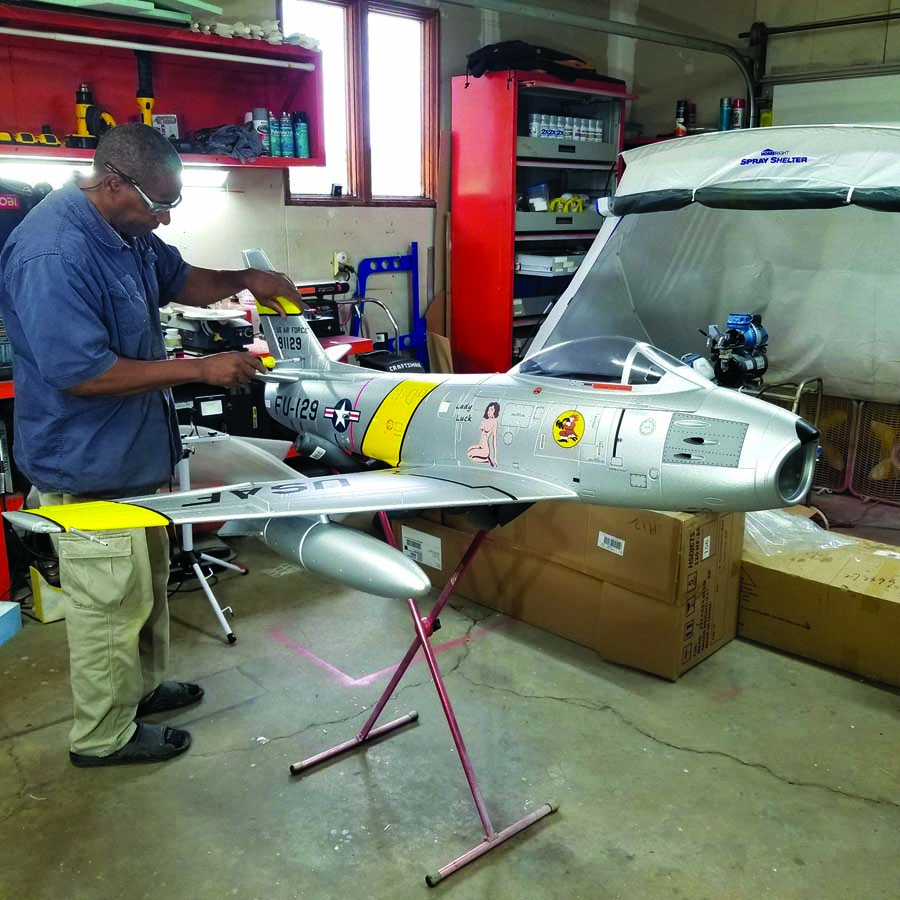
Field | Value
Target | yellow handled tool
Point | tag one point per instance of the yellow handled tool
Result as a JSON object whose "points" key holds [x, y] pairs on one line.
{"points": [[144, 94]]}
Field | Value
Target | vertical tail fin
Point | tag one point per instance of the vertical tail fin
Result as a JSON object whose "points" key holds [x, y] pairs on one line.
{"points": [[289, 338]]}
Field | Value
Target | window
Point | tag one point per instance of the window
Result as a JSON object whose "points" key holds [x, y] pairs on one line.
{"points": [[379, 64]]}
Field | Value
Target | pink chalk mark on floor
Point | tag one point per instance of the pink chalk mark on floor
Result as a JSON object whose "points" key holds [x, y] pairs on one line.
{"points": [[348, 681]]}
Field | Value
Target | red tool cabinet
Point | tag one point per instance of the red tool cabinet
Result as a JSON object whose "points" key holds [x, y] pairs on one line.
{"points": [[496, 166]]}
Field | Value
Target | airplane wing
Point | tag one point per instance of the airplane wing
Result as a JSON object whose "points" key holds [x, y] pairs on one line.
{"points": [[389, 489]]}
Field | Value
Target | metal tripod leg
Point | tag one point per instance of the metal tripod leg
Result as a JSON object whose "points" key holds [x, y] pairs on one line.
{"points": [[194, 558], [424, 628]]}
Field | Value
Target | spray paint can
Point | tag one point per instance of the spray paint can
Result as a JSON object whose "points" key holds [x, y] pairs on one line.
{"points": [[738, 113], [725, 114], [260, 119], [681, 113]]}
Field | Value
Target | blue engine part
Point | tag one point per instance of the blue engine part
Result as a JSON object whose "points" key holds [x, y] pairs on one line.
{"points": [[738, 354], [750, 326]]}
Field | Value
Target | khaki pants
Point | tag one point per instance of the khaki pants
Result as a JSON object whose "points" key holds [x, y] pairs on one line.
{"points": [[117, 622]]}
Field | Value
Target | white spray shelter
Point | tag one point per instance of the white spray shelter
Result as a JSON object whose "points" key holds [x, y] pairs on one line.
{"points": [[799, 224]]}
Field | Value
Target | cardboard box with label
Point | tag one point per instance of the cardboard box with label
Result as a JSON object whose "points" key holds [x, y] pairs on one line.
{"points": [[656, 591], [840, 607]]}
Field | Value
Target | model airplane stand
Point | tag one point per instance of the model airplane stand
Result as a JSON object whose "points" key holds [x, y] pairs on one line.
{"points": [[189, 556], [425, 626]]}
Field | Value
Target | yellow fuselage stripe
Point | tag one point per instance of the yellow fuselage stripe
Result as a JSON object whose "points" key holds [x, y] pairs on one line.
{"points": [[386, 431], [101, 515]]}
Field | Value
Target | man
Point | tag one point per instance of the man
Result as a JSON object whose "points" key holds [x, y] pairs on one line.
{"points": [[82, 279]]}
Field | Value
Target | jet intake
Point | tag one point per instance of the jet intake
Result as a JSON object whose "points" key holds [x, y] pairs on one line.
{"points": [[796, 472], [349, 557]]}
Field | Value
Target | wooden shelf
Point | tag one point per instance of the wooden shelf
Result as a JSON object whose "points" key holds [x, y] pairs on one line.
{"points": [[33, 153], [99, 26], [206, 80]]}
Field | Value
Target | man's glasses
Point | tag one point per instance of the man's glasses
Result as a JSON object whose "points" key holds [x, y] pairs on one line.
{"points": [[153, 206]]}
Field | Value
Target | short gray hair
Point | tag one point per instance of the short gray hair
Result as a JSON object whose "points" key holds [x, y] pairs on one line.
{"points": [[139, 151]]}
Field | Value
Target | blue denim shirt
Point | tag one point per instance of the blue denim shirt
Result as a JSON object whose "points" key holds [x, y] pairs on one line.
{"points": [[74, 296]]}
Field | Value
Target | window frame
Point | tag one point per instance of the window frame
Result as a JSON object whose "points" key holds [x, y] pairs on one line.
{"points": [[358, 152]]}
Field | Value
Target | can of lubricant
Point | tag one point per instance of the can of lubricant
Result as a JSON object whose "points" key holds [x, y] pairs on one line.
{"points": [[725, 114], [681, 115]]}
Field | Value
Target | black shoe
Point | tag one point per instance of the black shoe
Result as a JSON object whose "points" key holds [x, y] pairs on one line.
{"points": [[148, 744], [168, 696]]}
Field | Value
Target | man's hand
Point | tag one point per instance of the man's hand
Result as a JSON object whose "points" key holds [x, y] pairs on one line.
{"points": [[270, 287], [229, 370], [205, 286]]}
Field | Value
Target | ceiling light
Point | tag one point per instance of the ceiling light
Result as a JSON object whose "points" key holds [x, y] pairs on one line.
{"points": [[53, 173], [204, 176], [56, 174]]}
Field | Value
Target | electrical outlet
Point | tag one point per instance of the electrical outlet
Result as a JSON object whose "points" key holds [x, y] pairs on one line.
{"points": [[340, 259]]}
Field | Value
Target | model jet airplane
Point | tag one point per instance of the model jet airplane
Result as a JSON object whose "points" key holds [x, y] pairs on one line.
{"points": [[604, 420]]}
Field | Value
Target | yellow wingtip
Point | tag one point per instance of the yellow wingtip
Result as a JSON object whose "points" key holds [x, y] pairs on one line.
{"points": [[102, 515]]}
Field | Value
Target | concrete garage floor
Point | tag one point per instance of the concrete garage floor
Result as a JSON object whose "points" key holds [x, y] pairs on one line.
{"points": [[755, 776]]}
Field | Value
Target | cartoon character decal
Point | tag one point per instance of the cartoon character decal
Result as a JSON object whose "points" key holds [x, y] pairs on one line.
{"points": [[568, 428], [485, 451]]}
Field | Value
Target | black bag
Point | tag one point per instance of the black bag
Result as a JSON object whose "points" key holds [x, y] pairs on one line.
{"points": [[511, 55], [16, 199]]}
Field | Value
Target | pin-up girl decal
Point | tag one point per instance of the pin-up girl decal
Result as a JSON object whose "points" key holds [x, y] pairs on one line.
{"points": [[486, 450]]}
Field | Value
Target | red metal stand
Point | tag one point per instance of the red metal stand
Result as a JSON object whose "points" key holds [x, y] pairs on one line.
{"points": [[424, 627]]}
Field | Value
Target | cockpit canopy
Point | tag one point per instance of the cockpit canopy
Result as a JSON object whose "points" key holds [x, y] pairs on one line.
{"points": [[609, 359]]}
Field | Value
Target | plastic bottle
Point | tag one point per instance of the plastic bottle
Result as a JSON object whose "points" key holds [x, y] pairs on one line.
{"points": [[534, 125], [301, 135], [274, 135], [287, 136], [569, 129], [173, 340], [546, 126]]}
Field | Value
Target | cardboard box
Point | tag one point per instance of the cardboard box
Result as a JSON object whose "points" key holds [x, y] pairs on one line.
{"points": [[166, 123], [653, 553], [10, 620], [665, 631], [49, 601], [839, 607]]}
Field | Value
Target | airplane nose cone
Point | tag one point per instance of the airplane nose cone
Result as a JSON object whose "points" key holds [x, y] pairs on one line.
{"points": [[806, 432], [796, 471]]}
